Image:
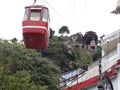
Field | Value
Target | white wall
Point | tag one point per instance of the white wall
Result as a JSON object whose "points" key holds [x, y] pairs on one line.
{"points": [[115, 82], [118, 50]]}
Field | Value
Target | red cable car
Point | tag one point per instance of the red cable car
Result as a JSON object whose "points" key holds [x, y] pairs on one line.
{"points": [[36, 27], [92, 44]]}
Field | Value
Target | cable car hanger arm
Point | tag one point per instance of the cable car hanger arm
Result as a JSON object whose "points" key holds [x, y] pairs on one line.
{"points": [[34, 2]]}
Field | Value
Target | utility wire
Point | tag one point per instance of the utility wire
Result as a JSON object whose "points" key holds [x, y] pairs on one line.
{"points": [[72, 11], [57, 12], [86, 6], [54, 19], [76, 15]]}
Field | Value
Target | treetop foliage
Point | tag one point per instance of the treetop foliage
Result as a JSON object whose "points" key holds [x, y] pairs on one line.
{"points": [[28, 69]]}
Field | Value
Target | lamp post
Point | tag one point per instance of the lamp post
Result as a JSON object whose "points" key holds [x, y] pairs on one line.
{"points": [[108, 48], [101, 38]]}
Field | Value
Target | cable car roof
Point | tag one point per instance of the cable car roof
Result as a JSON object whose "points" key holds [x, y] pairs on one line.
{"points": [[36, 7]]}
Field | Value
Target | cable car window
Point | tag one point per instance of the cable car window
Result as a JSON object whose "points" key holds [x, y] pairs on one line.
{"points": [[26, 14], [45, 15], [92, 43], [35, 15]]}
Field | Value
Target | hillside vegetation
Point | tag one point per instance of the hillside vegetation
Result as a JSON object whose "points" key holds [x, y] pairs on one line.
{"points": [[27, 69]]}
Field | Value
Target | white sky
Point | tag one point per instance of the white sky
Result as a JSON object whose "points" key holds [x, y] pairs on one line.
{"points": [[78, 15]]}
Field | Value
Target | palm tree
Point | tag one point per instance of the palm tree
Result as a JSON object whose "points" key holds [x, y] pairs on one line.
{"points": [[64, 29]]}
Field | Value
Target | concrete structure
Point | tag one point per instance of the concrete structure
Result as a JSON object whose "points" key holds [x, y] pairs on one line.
{"points": [[117, 10], [110, 65]]}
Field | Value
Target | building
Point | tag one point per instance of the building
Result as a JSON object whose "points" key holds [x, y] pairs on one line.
{"points": [[117, 10], [110, 62]]}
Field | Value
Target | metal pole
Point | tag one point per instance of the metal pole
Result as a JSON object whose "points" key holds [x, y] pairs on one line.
{"points": [[100, 85], [34, 2]]}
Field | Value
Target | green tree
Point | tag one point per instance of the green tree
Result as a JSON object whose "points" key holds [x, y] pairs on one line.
{"points": [[84, 58], [64, 29], [26, 69], [97, 56], [14, 40], [51, 33], [21, 69], [80, 38], [21, 80], [45, 73]]}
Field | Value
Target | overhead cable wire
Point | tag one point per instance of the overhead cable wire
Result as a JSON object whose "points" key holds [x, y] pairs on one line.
{"points": [[87, 13], [76, 14], [53, 20], [72, 11], [86, 6], [57, 12]]}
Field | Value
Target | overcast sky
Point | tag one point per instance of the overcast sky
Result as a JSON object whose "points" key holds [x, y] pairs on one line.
{"points": [[78, 15]]}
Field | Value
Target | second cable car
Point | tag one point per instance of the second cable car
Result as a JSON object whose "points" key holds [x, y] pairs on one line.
{"points": [[36, 27]]}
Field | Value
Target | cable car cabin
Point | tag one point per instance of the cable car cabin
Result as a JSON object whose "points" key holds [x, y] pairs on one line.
{"points": [[92, 44], [36, 27]]}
